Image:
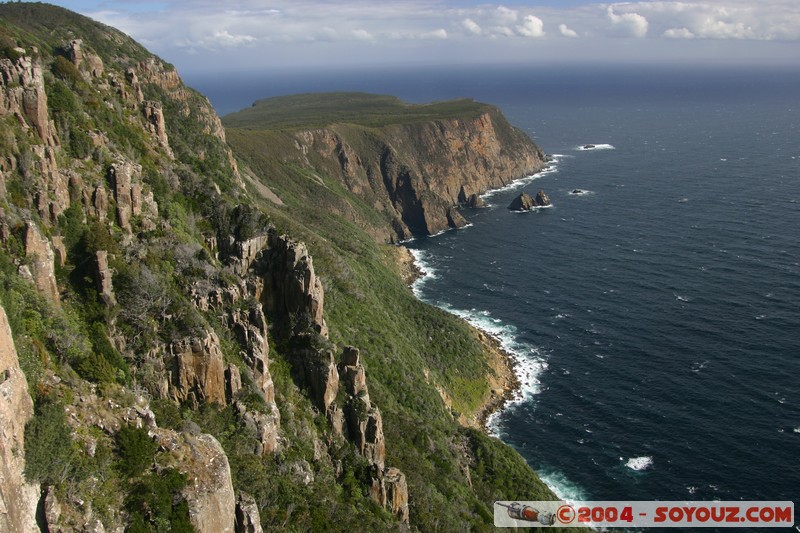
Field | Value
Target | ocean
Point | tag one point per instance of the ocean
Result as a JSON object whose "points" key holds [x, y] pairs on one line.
{"points": [[654, 308]]}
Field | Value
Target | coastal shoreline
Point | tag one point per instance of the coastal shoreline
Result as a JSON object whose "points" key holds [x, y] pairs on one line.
{"points": [[502, 377]]}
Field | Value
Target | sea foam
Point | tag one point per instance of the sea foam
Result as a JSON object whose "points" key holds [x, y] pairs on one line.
{"points": [[528, 361], [551, 168], [592, 147], [639, 463]]}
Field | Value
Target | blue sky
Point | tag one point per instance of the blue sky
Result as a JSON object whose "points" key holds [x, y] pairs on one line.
{"points": [[218, 36]]}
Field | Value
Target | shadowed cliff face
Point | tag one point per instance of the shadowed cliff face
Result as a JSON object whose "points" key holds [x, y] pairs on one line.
{"points": [[414, 170], [418, 171], [181, 371]]}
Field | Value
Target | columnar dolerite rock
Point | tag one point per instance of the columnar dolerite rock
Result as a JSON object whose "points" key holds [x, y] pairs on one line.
{"points": [[18, 499], [42, 262], [247, 515], [209, 490], [198, 373], [292, 291]]}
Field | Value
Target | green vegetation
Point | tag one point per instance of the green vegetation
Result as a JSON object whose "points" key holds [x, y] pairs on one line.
{"points": [[101, 359], [136, 450], [369, 306], [152, 504], [324, 109], [48, 444]]}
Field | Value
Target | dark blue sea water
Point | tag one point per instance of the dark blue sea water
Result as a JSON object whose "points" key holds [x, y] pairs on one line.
{"points": [[656, 316]]}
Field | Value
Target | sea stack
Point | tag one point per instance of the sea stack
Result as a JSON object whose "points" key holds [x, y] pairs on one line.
{"points": [[524, 202], [475, 201]]}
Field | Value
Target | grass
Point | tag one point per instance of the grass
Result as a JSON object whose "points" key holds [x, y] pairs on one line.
{"points": [[323, 109]]}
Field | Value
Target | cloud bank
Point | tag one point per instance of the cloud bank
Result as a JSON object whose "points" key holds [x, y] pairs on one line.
{"points": [[301, 28]]}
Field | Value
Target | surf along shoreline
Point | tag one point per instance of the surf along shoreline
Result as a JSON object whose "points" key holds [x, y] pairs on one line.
{"points": [[505, 369], [502, 377]]}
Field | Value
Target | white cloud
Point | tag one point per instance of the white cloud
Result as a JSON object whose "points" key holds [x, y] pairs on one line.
{"points": [[532, 26], [362, 35], [278, 31], [503, 16], [634, 23], [679, 33], [471, 26], [441, 33], [566, 31], [225, 38], [502, 30]]}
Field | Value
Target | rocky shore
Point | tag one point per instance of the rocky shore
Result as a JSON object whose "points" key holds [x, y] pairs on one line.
{"points": [[502, 378]]}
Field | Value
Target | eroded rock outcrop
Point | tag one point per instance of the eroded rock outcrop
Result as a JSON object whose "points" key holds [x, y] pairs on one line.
{"points": [[248, 519], [209, 489], [364, 420], [22, 94], [389, 489], [41, 262], [524, 202], [292, 289], [197, 370], [84, 59], [126, 183], [264, 426], [418, 171], [156, 125], [18, 499], [104, 279]]}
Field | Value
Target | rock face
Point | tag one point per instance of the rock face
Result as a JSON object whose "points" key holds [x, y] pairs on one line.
{"points": [[417, 172], [389, 489], [247, 516], [209, 491], [198, 374], [104, 282], [42, 266], [291, 287], [18, 499], [524, 202], [154, 117]]}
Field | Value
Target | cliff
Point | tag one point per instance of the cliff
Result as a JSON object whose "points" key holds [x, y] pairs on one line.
{"points": [[197, 339], [18, 498], [413, 163]]}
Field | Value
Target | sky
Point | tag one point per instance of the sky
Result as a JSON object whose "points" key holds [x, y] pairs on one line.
{"points": [[205, 36]]}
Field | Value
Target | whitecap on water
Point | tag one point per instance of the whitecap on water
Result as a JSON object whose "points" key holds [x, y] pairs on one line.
{"points": [[639, 463], [550, 168], [589, 147], [421, 259], [561, 486]]}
